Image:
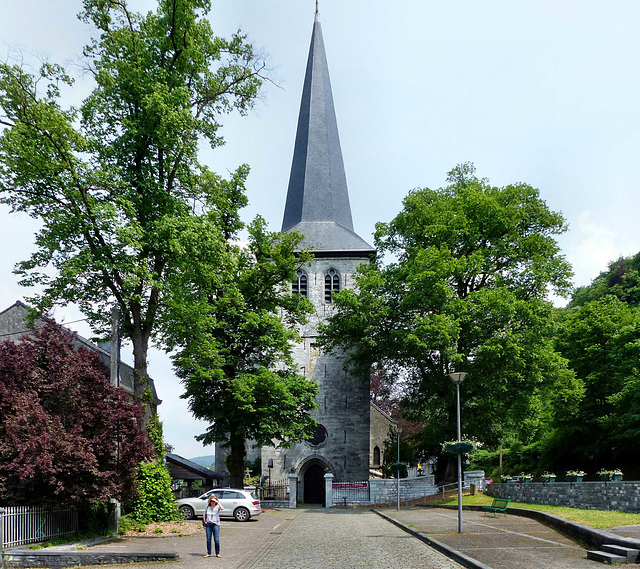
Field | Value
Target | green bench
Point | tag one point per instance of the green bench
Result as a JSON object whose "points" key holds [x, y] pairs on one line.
{"points": [[498, 505]]}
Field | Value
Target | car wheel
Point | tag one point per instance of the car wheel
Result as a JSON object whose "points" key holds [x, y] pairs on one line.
{"points": [[187, 512], [241, 514]]}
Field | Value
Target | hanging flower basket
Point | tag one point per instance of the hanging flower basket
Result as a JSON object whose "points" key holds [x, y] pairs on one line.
{"points": [[461, 447]]}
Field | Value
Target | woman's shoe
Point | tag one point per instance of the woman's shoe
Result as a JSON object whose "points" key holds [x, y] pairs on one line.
{"points": [[208, 555]]}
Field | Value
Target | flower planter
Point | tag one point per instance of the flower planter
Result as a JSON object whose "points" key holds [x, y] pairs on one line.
{"points": [[527, 479], [574, 478], [548, 479], [611, 477], [458, 448]]}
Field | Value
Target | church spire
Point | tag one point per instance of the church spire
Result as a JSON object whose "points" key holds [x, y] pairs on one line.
{"points": [[317, 199]]}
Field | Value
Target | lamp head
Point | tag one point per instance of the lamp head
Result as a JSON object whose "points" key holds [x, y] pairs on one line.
{"points": [[458, 376]]}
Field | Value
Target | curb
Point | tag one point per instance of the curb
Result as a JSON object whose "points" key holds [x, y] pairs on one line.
{"points": [[458, 557]]}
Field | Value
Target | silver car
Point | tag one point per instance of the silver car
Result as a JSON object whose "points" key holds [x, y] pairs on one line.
{"points": [[241, 504]]}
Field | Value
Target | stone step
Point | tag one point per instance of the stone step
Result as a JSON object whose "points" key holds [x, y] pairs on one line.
{"points": [[631, 554], [605, 557]]}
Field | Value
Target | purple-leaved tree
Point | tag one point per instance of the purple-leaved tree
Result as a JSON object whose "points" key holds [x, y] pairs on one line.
{"points": [[66, 435]]}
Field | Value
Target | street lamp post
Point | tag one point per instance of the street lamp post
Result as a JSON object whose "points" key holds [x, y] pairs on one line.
{"points": [[398, 431], [458, 378]]}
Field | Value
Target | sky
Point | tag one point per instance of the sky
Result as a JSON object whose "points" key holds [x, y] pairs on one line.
{"points": [[539, 91]]}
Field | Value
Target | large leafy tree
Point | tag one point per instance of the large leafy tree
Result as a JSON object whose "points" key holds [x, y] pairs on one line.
{"points": [[115, 181], [601, 341], [621, 279], [466, 290], [66, 434], [232, 331]]}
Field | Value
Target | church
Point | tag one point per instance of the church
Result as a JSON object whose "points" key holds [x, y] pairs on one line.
{"points": [[317, 205]]}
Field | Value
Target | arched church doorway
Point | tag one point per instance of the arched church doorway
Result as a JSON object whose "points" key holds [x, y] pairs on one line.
{"points": [[314, 485]]}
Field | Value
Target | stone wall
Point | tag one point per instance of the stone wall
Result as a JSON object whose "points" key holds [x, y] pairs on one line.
{"points": [[618, 496], [385, 490], [59, 559], [380, 423]]}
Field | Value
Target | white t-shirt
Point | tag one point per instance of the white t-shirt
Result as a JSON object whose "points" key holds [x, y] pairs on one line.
{"points": [[212, 515]]}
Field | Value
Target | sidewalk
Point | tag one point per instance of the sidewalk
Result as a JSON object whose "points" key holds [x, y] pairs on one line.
{"points": [[354, 538], [502, 542]]}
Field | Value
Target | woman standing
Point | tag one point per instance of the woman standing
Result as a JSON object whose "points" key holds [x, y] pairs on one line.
{"points": [[211, 521]]}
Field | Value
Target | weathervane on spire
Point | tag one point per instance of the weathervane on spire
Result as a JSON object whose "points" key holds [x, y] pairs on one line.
{"points": [[317, 7]]}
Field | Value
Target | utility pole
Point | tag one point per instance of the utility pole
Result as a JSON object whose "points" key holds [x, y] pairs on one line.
{"points": [[115, 347], [114, 505]]}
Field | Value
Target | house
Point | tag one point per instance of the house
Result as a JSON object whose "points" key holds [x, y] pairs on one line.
{"points": [[183, 470], [13, 326]]}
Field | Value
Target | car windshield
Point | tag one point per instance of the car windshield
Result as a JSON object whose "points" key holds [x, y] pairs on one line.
{"points": [[254, 496]]}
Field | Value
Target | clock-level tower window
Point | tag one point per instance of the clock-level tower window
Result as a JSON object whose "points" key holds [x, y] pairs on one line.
{"points": [[299, 286], [331, 284]]}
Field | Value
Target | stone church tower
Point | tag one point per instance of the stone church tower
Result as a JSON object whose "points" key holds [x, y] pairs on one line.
{"points": [[317, 206]]}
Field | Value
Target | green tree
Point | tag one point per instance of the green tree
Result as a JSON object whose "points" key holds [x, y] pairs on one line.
{"points": [[466, 290], [116, 180], [601, 341], [621, 279], [232, 332]]}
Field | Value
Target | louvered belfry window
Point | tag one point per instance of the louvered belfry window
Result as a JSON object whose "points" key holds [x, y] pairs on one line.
{"points": [[300, 284], [331, 284]]}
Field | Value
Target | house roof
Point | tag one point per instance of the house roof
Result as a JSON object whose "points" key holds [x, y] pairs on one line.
{"points": [[12, 325], [191, 467], [317, 202]]}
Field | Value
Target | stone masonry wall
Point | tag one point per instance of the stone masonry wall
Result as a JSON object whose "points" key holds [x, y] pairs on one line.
{"points": [[618, 496], [385, 490]]}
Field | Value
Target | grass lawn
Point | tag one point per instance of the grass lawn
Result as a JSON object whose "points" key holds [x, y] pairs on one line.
{"points": [[599, 519]]}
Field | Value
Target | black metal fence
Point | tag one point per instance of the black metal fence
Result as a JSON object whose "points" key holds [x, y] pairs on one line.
{"points": [[274, 490]]}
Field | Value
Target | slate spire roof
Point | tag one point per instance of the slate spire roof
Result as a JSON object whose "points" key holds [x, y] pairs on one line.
{"points": [[317, 199]]}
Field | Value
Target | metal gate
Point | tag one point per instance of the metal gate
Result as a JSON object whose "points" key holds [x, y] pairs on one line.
{"points": [[351, 493]]}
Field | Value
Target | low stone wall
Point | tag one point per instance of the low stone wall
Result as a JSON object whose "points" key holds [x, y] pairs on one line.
{"points": [[58, 559], [274, 504], [385, 490], [618, 496]]}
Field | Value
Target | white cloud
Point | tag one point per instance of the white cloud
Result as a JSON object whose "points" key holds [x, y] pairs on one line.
{"points": [[593, 247]]}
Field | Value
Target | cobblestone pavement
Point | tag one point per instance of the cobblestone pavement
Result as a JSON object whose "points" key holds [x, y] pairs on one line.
{"points": [[347, 539]]}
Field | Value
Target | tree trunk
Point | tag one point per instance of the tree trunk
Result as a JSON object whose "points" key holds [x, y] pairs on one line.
{"points": [[236, 462], [141, 374]]}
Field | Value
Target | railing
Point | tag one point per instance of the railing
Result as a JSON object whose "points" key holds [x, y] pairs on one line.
{"points": [[344, 493], [276, 490], [20, 525], [447, 488]]}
